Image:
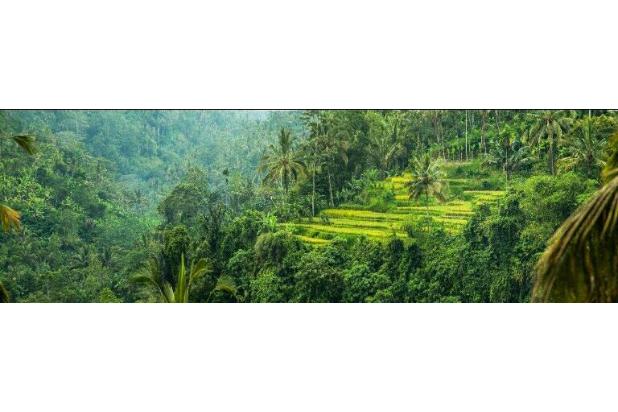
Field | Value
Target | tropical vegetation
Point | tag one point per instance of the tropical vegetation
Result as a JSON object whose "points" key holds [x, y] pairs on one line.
{"points": [[309, 206]]}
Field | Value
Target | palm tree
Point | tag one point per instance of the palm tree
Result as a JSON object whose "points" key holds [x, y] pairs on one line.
{"points": [[549, 127], [334, 142], [384, 139], [282, 163], [583, 151], [384, 148], [154, 275], [313, 152], [427, 180], [581, 262], [510, 156]]}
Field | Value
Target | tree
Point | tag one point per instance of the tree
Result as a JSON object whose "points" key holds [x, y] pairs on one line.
{"points": [[583, 151], [581, 262], [334, 143], [549, 127], [384, 144], [185, 203], [318, 280], [427, 180], [314, 153], [510, 156], [155, 276], [282, 163]]}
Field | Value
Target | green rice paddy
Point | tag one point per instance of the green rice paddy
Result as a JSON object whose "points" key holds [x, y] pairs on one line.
{"points": [[451, 215]]}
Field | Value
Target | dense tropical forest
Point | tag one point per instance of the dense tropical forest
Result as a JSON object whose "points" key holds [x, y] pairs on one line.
{"points": [[309, 206]]}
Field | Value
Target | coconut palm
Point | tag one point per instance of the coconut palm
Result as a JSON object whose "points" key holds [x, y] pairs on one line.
{"points": [[549, 127], [384, 140], [510, 156], [334, 142], [282, 163], [313, 152], [584, 152], [581, 262], [154, 276], [427, 180]]}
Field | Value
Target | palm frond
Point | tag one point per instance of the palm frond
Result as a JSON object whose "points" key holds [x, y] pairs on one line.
{"points": [[4, 294], [581, 262], [26, 142], [181, 294], [168, 293], [200, 269], [227, 285], [9, 218]]}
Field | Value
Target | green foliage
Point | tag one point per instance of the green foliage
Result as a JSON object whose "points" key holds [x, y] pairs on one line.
{"points": [[154, 276], [185, 203], [338, 221], [361, 284], [107, 296], [271, 249], [584, 151], [268, 287], [427, 179], [282, 163], [581, 261], [317, 280]]}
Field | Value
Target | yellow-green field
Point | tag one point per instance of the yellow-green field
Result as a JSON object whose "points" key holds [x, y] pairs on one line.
{"points": [[451, 215]]}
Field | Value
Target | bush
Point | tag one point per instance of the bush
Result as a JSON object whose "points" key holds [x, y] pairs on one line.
{"points": [[317, 279], [267, 287]]}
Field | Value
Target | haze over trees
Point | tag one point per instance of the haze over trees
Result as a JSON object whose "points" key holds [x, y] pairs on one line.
{"points": [[308, 206]]}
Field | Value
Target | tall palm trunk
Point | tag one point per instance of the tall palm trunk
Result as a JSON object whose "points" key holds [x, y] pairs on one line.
{"points": [[483, 126], [330, 190], [551, 151], [497, 127], [427, 210], [313, 193], [467, 135], [507, 143]]}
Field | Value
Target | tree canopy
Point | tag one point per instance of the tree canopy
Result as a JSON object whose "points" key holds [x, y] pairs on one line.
{"points": [[308, 206]]}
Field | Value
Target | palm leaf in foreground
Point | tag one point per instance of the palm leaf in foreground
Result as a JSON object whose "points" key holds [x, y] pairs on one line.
{"points": [[153, 275], [4, 294], [581, 262], [9, 218], [26, 143]]}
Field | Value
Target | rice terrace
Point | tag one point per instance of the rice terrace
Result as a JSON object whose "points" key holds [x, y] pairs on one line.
{"points": [[374, 206], [403, 215]]}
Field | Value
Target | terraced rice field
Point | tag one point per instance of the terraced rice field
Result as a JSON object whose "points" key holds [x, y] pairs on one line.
{"points": [[452, 215]]}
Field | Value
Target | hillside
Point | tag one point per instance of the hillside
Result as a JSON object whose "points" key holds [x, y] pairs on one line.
{"points": [[465, 194]]}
